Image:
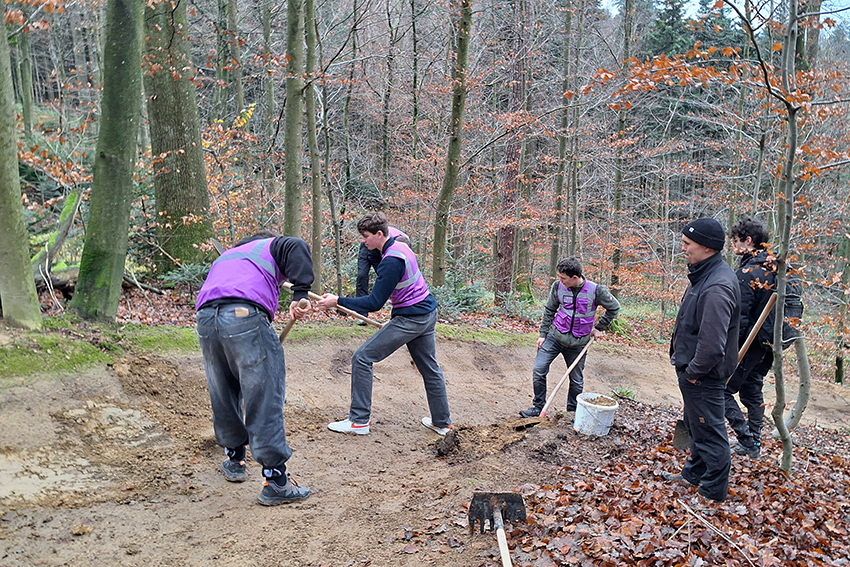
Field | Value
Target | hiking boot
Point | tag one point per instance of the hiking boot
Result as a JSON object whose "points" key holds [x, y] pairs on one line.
{"points": [[752, 452], [675, 477], [426, 421], [274, 494], [234, 471], [348, 426], [530, 412]]}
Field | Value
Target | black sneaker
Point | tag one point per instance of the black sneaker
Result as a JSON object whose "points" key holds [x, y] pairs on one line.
{"points": [[530, 412], [234, 471], [752, 452], [274, 494]]}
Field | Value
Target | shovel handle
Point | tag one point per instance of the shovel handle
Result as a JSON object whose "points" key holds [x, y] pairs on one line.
{"points": [[757, 327], [303, 304], [311, 295], [502, 538], [565, 376]]}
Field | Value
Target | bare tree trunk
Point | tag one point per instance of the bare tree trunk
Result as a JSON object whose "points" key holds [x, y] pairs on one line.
{"points": [[620, 164], [235, 54], [102, 263], [27, 104], [313, 143], [506, 240], [17, 288], [219, 110], [294, 116], [557, 219], [444, 200], [180, 181], [389, 84], [346, 110], [785, 218]]}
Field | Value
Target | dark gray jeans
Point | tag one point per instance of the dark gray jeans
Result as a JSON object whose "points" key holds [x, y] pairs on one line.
{"points": [[548, 352], [418, 334], [244, 362]]}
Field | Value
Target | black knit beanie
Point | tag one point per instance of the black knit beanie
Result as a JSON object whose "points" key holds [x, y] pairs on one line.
{"points": [[707, 232]]}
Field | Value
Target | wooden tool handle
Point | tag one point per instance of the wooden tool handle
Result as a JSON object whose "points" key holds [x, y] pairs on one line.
{"points": [[303, 304], [565, 376], [311, 295], [501, 538], [757, 327]]}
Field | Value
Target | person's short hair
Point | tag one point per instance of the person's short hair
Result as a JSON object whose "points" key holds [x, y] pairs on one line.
{"points": [[750, 227], [570, 266], [259, 235], [373, 222]]}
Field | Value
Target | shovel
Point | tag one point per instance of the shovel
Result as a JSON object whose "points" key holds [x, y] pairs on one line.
{"points": [[681, 436], [496, 507]]}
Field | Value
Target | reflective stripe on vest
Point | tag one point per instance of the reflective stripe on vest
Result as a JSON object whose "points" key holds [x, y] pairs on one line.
{"points": [[253, 255], [245, 272], [577, 312]]}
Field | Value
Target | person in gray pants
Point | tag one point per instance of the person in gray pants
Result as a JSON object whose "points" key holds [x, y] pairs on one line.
{"points": [[412, 323]]}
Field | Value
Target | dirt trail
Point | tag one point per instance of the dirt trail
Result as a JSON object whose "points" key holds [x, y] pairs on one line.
{"points": [[118, 466]]}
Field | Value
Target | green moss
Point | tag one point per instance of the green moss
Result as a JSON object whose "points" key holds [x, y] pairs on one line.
{"points": [[487, 336], [160, 338], [33, 355], [308, 331]]}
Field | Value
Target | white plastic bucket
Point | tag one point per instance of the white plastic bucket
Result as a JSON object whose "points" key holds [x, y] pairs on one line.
{"points": [[592, 418]]}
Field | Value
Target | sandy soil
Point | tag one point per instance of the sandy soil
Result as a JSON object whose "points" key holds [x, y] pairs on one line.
{"points": [[119, 466]]}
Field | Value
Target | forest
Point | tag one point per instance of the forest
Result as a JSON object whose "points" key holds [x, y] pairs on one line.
{"points": [[502, 136]]}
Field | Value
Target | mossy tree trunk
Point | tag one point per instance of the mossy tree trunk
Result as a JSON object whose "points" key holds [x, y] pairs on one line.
{"points": [[102, 263], [444, 200], [17, 288], [180, 178]]}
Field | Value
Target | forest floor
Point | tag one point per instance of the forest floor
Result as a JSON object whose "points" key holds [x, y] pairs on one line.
{"points": [[118, 465]]}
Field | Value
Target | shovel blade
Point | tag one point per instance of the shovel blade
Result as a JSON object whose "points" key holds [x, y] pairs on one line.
{"points": [[484, 504], [681, 437]]}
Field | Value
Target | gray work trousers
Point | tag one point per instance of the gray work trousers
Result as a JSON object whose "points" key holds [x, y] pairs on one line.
{"points": [[418, 334], [243, 359]]}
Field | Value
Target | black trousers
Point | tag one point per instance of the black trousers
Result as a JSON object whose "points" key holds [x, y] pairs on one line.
{"points": [[748, 383], [709, 462]]}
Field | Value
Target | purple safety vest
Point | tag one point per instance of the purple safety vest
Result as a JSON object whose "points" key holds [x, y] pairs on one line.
{"points": [[249, 272], [411, 289], [395, 233], [576, 319]]}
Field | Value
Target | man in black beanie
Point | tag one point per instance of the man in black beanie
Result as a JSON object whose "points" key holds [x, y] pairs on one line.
{"points": [[704, 350]]}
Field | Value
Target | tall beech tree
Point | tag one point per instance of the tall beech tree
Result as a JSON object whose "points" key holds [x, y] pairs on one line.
{"points": [[17, 287], [105, 250], [177, 156]]}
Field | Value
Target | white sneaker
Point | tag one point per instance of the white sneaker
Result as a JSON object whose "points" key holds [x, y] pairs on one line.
{"points": [[348, 426], [426, 421]]}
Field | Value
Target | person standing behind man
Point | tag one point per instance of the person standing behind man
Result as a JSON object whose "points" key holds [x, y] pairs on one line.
{"points": [[243, 357], [369, 259], [412, 323], [757, 279], [704, 351], [566, 327]]}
